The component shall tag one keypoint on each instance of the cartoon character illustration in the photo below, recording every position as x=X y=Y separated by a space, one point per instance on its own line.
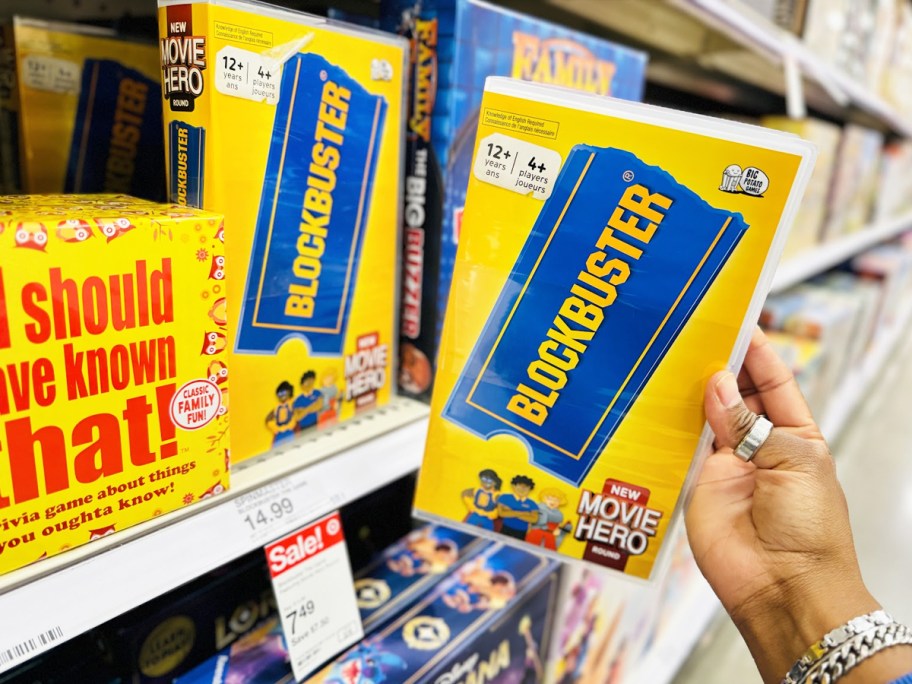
x=425 y=554
x=101 y=532
x=481 y=503
x=308 y=403
x=533 y=670
x=217 y=268
x=517 y=510
x=214 y=343
x=219 y=312
x=217 y=372
x=366 y=664
x=414 y=369
x=223 y=409
x=480 y=588
x=74 y=230
x=31 y=234
x=329 y=414
x=220 y=233
x=548 y=530
x=217 y=488
x=112 y=229
x=281 y=420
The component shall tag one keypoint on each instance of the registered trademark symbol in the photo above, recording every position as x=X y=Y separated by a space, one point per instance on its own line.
x=628 y=176
x=323 y=75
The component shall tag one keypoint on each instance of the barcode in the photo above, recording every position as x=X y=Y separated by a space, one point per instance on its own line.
x=38 y=643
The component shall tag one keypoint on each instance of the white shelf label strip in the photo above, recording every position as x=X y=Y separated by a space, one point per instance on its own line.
x=89 y=593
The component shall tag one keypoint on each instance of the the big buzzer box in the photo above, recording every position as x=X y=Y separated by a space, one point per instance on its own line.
x=292 y=126
x=113 y=382
x=456 y=45
x=609 y=264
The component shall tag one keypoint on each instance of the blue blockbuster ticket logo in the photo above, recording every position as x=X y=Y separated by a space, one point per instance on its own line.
x=187 y=154
x=117 y=138
x=313 y=210
x=618 y=259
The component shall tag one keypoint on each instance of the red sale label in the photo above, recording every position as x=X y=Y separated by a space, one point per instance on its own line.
x=305 y=543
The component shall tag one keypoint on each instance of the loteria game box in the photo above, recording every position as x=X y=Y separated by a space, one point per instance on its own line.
x=613 y=256
x=291 y=125
x=456 y=44
x=113 y=385
x=86 y=109
x=155 y=642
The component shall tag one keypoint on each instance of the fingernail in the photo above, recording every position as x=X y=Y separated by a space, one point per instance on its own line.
x=727 y=391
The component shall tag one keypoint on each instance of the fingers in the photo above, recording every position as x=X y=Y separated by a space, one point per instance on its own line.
x=731 y=419
x=772 y=381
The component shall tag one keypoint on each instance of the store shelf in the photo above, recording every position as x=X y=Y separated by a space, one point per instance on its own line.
x=730 y=43
x=61 y=597
x=686 y=625
x=818 y=259
x=753 y=32
x=855 y=386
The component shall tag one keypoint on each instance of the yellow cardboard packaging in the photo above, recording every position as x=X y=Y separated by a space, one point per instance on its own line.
x=613 y=257
x=89 y=117
x=113 y=384
x=293 y=127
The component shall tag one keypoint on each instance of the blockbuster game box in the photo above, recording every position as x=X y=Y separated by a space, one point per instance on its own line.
x=613 y=256
x=84 y=104
x=293 y=127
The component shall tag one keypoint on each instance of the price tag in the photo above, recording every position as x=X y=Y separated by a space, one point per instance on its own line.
x=517 y=165
x=315 y=593
x=273 y=509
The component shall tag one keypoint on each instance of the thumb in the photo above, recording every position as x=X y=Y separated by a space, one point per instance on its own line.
x=730 y=420
x=728 y=416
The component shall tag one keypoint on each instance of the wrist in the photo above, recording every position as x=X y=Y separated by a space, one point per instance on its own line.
x=780 y=624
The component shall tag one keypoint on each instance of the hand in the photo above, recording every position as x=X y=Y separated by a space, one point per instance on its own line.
x=772 y=536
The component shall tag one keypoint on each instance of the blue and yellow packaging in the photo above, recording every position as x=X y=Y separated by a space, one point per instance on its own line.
x=489 y=620
x=609 y=264
x=456 y=44
x=408 y=569
x=292 y=126
x=89 y=114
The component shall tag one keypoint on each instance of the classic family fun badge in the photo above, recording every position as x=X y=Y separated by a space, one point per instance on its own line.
x=619 y=257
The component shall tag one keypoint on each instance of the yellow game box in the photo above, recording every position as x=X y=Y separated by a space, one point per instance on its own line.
x=293 y=127
x=86 y=110
x=613 y=257
x=113 y=382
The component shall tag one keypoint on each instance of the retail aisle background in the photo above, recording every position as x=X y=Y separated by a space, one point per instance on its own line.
x=875 y=467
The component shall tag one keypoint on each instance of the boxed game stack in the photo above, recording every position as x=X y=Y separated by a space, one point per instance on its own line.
x=109 y=413
x=85 y=105
x=405 y=571
x=805 y=357
x=854 y=181
x=292 y=126
x=456 y=44
x=812 y=213
x=489 y=620
x=607 y=267
x=894 y=181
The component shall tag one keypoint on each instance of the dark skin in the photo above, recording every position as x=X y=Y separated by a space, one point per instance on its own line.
x=772 y=536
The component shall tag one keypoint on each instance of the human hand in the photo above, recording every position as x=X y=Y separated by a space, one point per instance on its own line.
x=772 y=536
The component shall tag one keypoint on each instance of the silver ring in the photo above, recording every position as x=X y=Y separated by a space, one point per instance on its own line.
x=754 y=439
